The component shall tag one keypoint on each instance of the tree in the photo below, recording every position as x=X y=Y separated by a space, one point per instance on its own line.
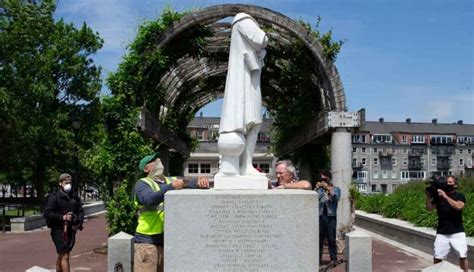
x=46 y=78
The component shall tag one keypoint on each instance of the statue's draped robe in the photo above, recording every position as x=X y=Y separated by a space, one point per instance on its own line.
x=242 y=105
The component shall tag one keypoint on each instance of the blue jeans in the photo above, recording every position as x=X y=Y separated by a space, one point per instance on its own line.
x=327 y=229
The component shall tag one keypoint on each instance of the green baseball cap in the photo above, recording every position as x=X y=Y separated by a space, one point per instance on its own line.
x=147 y=160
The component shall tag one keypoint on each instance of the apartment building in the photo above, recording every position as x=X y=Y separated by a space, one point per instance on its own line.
x=204 y=161
x=386 y=154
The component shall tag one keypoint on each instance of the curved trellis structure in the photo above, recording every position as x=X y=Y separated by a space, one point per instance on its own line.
x=195 y=80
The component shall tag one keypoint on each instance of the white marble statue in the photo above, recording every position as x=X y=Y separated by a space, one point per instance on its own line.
x=241 y=111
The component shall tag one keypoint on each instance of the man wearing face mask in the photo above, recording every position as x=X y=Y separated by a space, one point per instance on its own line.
x=449 y=204
x=149 y=196
x=64 y=215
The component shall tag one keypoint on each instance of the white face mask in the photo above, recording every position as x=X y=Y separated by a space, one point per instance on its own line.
x=157 y=171
x=67 y=188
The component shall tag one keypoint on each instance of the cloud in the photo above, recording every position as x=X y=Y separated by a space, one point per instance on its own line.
x=116 y=21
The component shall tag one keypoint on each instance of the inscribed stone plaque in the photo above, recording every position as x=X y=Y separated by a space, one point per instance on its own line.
x=241 y=230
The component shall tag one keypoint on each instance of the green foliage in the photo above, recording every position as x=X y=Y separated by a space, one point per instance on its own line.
x=408 y=203
x=290 y=66
x=46 y=78
x=330 y=47
x=122 y=215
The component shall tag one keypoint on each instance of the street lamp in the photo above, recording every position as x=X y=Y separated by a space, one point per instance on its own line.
x=76 y=125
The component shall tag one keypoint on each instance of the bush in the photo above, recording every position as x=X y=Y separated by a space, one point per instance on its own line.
x=408 y=203
x=121 y=212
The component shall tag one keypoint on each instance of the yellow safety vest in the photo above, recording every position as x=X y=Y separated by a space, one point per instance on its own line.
x=151 y=218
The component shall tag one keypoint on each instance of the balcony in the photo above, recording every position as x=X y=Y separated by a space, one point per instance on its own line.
x=386 y=153
x=415 y=165
x=357 y=166
x=442 y=163
x=415 y=153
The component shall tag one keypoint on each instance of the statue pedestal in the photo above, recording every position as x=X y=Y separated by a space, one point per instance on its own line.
x=224 y=182
x=241 y=230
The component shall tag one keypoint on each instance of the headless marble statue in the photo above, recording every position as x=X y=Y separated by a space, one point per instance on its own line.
x=241 y=117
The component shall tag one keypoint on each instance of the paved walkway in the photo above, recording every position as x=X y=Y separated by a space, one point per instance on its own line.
x=20 y=251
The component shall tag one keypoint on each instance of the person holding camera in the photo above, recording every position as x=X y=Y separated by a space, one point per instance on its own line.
x=328 y=197
x=64 y=215
x=449 y=203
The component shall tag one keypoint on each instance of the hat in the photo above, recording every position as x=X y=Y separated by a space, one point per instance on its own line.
x=64 y=176
x=147 y=160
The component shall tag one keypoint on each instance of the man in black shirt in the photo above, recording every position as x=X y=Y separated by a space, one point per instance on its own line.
x=449 y=204
x=64 y=215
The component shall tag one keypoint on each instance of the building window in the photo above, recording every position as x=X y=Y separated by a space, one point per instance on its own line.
x=409 y=175
x=394 y=186
x=374 y=187
x=214 y=135
x=265 y=167
x=354 y=149
x=362 y=187
x=376 y=174
x=364 y=161
x=376 y=161
x=404 y=139
x=404 y=151
x=422 y=162
x=469 y=151
x=364 y=149
x=354 y=162
x=469 y=163
x=375 y=150
x=460 y=151
x=464 y=140
x=205 y=168
x=359 y=139
x=433 y=162
x=193 y=168
x=461 y=162
x=394 y=161
x=441 y=139
x=394 y=174
x=384 y=174
x=418 y=139
x=382 y=138
x=405 y=161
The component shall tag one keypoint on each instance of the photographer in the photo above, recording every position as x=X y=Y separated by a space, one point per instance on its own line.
x=449 y=203
x=64 y=215
x=328 y=198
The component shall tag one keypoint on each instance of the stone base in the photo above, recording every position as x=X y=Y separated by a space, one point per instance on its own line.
x=241 y=230
x=223 y=182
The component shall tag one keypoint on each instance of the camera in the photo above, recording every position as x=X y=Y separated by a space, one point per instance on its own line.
x=436 y=182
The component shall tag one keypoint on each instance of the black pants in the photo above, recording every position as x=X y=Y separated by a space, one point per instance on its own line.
x=327 y=229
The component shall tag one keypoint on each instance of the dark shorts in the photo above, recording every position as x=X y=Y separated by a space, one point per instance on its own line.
x=63 y=244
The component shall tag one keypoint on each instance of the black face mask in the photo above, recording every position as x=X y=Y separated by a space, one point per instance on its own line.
x=449 y=188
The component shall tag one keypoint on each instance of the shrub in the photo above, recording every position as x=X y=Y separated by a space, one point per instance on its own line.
x=408 y=203
x=121 y=212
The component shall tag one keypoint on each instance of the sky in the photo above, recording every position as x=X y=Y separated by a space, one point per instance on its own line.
x=400 y=59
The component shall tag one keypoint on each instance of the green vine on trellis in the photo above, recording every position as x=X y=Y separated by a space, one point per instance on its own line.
x=288 y=68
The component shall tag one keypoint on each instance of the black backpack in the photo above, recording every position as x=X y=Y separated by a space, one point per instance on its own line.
x=49 y=222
